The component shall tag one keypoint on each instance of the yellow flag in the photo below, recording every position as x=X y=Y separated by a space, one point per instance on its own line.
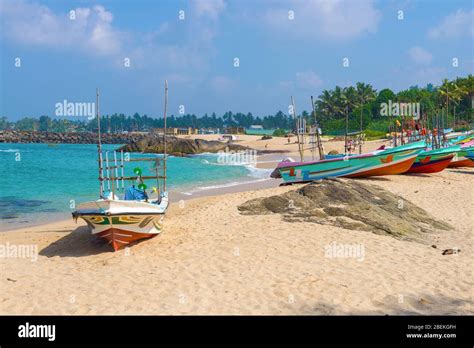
x=398 y=123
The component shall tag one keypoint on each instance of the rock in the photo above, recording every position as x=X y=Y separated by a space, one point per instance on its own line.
x=12 y=136
x=451 y=251
x=349 y=204
x=153 y=143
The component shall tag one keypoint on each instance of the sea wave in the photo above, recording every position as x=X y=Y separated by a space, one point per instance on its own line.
x=223 y=185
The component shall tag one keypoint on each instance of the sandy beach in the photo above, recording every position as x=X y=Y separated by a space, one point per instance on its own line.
x=211 y=259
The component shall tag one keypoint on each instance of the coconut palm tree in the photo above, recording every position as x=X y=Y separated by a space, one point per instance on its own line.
x=327 y=103
x=365 y=94
x=349 y=101
x=446 y=92
x=456 y=97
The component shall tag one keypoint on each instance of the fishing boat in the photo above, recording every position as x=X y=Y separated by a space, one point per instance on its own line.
x=391 y=161
x=386 y=161
x=434 y=161
x=136 y=215
x=461 y=160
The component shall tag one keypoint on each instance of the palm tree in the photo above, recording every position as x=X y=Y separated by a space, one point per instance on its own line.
x=326 y=103
x=446 y=92
x=365 y=94
x=456 y=96
x=349 y=101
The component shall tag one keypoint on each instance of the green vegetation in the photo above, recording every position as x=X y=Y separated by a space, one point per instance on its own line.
x=361 y=104
x=279 y=132
x=372 y=135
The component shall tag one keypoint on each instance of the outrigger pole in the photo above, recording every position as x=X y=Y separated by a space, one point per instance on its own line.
x=300 y=143
x=164 y=136
x=320 y=145
x=347 y=130
x=99 y=144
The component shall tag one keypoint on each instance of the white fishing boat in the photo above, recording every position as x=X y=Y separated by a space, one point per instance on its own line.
x=122 y=215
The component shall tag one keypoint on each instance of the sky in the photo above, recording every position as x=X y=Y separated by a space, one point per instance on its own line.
x=222 y=55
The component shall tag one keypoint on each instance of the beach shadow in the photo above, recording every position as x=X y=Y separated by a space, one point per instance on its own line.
x=420 y=175
x=462 y=171
x=78 y=243
x=424 y=304
x=372 y=178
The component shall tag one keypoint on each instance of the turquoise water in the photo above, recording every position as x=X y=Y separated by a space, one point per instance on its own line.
x=42 y=179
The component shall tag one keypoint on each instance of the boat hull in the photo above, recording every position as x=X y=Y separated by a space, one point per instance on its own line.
x=463 y=162
x=121 y=222
x=398 y=167
x=460 y=159
x=431 y=166
x=119 y=238
x=121 y=230
x=384 y=162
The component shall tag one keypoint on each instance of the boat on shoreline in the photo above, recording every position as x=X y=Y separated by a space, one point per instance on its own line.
x=433 y=161
x=135 y=216
x=121 y=222
x=461 y=160
x=384 y=161
x=391 y=161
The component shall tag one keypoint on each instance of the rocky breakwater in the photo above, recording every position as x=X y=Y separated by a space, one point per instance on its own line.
x=67 y=138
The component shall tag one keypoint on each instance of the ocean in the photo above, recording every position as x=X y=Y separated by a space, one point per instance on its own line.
x=41 y=182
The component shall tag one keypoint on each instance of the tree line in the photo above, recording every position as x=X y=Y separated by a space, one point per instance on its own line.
x=360 y=104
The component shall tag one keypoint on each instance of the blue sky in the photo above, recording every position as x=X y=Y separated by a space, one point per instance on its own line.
x=280 y=55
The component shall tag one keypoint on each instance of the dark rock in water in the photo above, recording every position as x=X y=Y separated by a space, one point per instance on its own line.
x=153 y=143
x=349 y=204
x=11 y=207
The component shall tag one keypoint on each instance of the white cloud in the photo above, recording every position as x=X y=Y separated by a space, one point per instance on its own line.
x=36 y=25
x=209 y=8
x=325 y=19
x=93 y=33
x=456 y=24
x=308 y=80
x=420 y=55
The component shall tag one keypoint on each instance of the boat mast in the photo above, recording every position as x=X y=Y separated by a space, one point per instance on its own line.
x=99 y=143
x=320 y=145
x=164 y=136
x=300 y=143
x=347 y=130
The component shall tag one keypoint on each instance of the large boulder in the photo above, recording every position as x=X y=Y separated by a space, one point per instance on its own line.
x=154 y=143
x=349 y=204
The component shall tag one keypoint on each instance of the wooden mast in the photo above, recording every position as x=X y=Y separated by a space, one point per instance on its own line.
x=99 y=143
x=320 y=145
x=164 y=136
x=360 y=135
x=347 y=130
x=300 y=143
